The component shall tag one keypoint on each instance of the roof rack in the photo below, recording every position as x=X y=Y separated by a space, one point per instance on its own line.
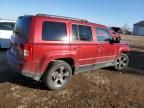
x=56 y=16
x=28 y=15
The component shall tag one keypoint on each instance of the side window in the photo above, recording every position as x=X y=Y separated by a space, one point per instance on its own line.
x=6 y=26
x=102 y=34
x=75 y=32
x=54 y=31
x=83 y=33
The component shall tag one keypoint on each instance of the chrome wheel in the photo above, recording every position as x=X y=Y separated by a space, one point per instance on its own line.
x=121 y=62
x=60 y=77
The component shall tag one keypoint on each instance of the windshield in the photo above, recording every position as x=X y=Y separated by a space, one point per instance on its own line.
x=22 y=27
x=9 y=26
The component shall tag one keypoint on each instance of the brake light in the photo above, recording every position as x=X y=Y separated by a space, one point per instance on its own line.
x=27 y=51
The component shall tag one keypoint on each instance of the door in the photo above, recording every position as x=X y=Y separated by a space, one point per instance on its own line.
x=106 y=51
x=82 y=45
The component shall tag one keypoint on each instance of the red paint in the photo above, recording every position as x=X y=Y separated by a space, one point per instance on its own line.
x=40 y=53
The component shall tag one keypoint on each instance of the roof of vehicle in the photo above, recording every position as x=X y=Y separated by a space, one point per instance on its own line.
x=61 y=17
x=69 y=18
x=4 y=20
x=66 y=18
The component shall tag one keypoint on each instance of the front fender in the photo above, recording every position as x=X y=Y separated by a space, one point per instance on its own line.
x=124 y=48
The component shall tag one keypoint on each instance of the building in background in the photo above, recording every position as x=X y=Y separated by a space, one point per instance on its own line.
x=139 y=28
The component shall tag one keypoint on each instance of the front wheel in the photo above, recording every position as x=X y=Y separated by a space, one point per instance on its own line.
x=121 y=62
x=58 y=76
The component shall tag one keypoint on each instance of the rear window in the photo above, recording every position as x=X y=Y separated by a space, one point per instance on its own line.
x=7 y=26
x=22 y=27
x=54 y=31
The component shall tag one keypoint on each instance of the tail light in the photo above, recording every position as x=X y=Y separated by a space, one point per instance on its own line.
x=27 y=51
x=23 y=52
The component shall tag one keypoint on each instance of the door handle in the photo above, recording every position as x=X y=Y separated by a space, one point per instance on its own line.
x=77 y=47
x=101 y=46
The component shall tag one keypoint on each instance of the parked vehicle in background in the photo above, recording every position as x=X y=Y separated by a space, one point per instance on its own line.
x=116 y=36
x=6 y=30
x=53 y=48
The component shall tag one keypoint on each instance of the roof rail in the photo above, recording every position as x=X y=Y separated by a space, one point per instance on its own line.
x=28 y=15
x=56 y=16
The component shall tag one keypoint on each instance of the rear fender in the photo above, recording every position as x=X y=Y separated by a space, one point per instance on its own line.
x=51 y=57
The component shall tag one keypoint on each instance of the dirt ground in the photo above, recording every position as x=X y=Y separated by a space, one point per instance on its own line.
x=102 y=88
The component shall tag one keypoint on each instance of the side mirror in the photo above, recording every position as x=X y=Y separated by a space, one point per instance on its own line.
x=117 y=40
x=113 y=40
x=109 y=40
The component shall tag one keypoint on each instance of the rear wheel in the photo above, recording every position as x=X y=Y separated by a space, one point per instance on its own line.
x=121 y=62
x=58 y=76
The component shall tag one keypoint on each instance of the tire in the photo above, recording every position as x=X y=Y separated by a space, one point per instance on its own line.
x=121 y=62
x=58 y=75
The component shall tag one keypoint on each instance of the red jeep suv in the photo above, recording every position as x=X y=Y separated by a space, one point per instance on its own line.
x=52 y=48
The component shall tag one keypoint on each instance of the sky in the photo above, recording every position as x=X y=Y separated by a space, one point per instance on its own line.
x=107 y=12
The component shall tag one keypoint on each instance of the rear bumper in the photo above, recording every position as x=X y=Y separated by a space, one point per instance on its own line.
x=4 y=43
x=17 y=65
x=32 y=75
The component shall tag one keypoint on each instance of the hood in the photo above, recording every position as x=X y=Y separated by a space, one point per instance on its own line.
x=124 y=43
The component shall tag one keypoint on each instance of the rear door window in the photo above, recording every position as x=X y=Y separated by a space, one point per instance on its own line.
x=7 y=26
x=81 y=32
x=75 y=32
x=54 y=31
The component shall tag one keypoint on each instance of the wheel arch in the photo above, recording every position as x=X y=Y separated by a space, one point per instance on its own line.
x=125 y=52
x=70 y=61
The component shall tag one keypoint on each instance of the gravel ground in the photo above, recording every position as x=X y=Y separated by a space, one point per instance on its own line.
x=102 y=88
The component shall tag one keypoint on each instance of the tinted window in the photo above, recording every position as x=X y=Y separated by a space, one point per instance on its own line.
x=85 y=33
x=22 y=27
x=81 y=32
x=7 y=26
x=75 y=32
x=102 y=34
x=54 y=31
